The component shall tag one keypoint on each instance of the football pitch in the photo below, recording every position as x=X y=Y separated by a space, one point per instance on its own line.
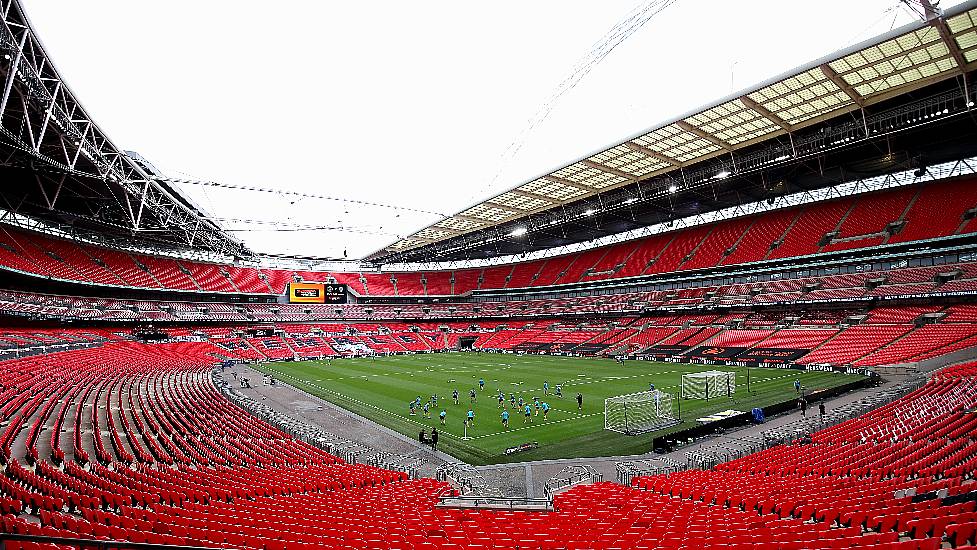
x=381 y=389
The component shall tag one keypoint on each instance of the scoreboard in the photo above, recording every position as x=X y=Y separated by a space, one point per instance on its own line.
x=317 y=293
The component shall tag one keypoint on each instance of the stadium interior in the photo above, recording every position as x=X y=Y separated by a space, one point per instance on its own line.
x=824 y=221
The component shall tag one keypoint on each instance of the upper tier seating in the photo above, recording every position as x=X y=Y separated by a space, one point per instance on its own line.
x=888 y=217
x=905 y=281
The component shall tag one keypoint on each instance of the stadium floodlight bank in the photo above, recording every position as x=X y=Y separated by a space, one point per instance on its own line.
x=709 y=384
x=638 y=413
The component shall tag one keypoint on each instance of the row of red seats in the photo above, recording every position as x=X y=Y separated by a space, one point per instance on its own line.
x=899 y=470
x=235 y=481
x=857 y=222
x=912 y=281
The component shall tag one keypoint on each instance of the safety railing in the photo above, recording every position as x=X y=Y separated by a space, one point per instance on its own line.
x=627 y=471
x=805 y=427
x=570 y=476
x=493 y=502
x=466 y=479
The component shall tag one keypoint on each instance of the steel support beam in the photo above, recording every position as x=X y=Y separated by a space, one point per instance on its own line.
x=652 y=154
x=765 y=113
x=705 y=135
x=609 y=170
x=568 y=183
x=12 y=74
x=448 y=230
x=493 y=204
x=47 y=117
x=531 y=195
x=843 y=85
x=950 y=42
x=473 y=219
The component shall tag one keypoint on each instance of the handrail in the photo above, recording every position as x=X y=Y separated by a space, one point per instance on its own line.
x=466 y=478
x=495 y=502
x=570 y=476
x=627 y=471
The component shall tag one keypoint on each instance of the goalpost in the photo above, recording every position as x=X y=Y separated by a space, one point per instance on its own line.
x=638 y=413
x=709 y=384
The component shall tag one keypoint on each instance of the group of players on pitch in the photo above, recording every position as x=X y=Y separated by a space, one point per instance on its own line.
x=528 y=408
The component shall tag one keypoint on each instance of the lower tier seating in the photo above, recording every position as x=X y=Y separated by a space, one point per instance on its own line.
x=133 y=442
x=901 y=476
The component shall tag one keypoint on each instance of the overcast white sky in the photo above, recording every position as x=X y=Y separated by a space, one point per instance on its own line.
x=405 y=103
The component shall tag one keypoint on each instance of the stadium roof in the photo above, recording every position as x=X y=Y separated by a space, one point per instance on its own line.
x=62 y=170
x=898 y=62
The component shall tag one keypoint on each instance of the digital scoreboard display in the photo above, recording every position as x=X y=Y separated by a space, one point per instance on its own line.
x=334 y=293
x=316 y=293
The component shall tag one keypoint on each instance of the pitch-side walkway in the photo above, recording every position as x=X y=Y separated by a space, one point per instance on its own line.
x=519 y=479
x=336 y=420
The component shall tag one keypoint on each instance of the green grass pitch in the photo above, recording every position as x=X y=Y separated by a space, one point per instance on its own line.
x=381 y=388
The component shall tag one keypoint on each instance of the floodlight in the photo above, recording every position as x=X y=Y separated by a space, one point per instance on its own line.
x=672 y=188
x=518 y=232
x=589 y=212
x=723 y=175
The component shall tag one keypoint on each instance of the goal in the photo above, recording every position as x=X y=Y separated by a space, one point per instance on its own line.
x=638 y=413
x=708 y=385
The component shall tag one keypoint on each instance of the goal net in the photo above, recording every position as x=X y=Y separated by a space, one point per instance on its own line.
x=708 y=385
x=638 y=413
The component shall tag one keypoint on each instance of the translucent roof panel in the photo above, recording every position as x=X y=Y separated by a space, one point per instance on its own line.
x=802 y=97
x=549 y=188
x=964 y=29
x=521 y=202
x=487 y=212
x=676 y=143
x=434 y=233
x=625 y=159
x=913 y=56
x=588 y=176
x=733 y=122
x=407 y=244
x=459 y=224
